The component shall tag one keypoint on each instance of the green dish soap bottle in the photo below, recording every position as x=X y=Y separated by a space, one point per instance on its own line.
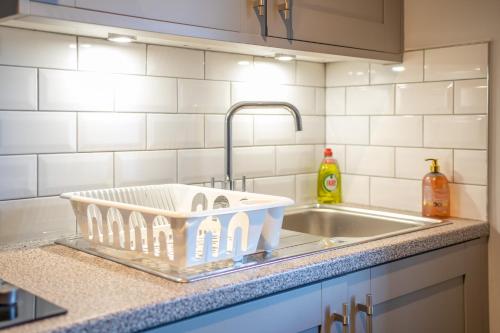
x=329 y=181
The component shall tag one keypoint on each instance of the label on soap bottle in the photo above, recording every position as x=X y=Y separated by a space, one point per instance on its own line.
x=330 y=183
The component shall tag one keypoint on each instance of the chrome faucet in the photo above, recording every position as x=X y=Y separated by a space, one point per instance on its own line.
x=228 y=141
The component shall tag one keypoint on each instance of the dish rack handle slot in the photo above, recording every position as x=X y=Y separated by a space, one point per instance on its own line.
x=236 y=250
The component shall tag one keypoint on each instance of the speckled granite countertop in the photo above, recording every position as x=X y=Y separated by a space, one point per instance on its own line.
x=102 y=296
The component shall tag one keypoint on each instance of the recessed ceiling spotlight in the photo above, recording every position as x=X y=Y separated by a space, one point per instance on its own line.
x=398 y=68
x=118 y=38
x=284 y=57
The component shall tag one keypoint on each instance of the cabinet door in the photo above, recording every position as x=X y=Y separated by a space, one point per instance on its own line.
x=364 y=24
x=425 y=293
x=289 y=312
x=350 y=289
x=231 y=15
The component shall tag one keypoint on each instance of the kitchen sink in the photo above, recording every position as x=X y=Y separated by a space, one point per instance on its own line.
x=348 y=224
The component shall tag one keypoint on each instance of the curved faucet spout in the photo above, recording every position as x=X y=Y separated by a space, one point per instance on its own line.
x=228 y=141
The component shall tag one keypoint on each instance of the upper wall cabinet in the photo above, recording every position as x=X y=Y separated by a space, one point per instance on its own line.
x=363 y=24
x=317 y=29
x=230 y=15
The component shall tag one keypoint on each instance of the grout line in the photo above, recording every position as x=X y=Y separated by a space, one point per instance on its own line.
x=37 y=175
x=77 y=126
x=114 y=169
x=245 y=146
x=204 y=64
x=38 y=89
x=146 y=62
x=423 y=66
x=77 y=53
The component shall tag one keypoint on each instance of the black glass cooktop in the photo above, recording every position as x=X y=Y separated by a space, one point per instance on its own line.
x=27 y=308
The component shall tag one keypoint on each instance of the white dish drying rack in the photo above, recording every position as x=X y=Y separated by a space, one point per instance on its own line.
x=183 y=225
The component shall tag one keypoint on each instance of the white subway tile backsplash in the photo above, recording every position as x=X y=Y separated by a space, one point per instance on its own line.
x=310 y=74
x=400 y=194
x=273 y=71
x=410 y=70
x=57 y=172
x=319 y=152
x=469 y=201
x=228 y=66
x=424 y=98
x=356 y=189
x=367 y=100
x=370 y=160
x=471 y=166
x=313 y=130
x=347 y=74
x=242 y=130
x=375 y=112
x=172 y=131
x=198 y=165
x=282 y=186
x=75 y=91
x=37 y=49
x=410 y=162
x=254 y=161
x=396 y=130
x=304 y=98
x=468 y=132
x=104 y=56
x=471 y=96
x=320 y=101
x=18 y=88
x=35 y=219
x=455 y=63
x=111 y=131
x=37 y=132
x=18 y=176
x=335 y=101
x=134 y=168
x=347 y=130
x=295 y=159
x=145 y=94
x=306 y=189
x=175 y=62
x=202 y=96
x=273 y=130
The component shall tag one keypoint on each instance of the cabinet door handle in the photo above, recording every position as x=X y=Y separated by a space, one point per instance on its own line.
x=342 y=318
x=260 y=7
x=368 y=309
x=285 y=10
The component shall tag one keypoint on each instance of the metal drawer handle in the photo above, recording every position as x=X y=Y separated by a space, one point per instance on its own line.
x=284 y=9
x=368 y=309
x=342 y=318
x=260 y=7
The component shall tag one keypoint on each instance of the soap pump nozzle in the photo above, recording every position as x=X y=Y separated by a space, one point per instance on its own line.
x=434 y=167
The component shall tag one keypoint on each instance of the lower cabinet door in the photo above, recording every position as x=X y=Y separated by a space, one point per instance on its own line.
x=424 y=293
x=435 y=309
x=294 y=311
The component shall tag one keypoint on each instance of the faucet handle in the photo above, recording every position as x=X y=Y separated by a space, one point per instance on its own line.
x=212 y=182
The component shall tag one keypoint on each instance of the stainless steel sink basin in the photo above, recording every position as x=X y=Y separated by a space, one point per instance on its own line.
x=347 y=224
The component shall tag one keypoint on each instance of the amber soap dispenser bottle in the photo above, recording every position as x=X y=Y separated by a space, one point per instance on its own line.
x=435 y=192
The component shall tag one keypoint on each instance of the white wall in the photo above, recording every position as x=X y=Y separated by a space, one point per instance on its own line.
x=79 y=113
x=383 y=121
x=443 y=22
